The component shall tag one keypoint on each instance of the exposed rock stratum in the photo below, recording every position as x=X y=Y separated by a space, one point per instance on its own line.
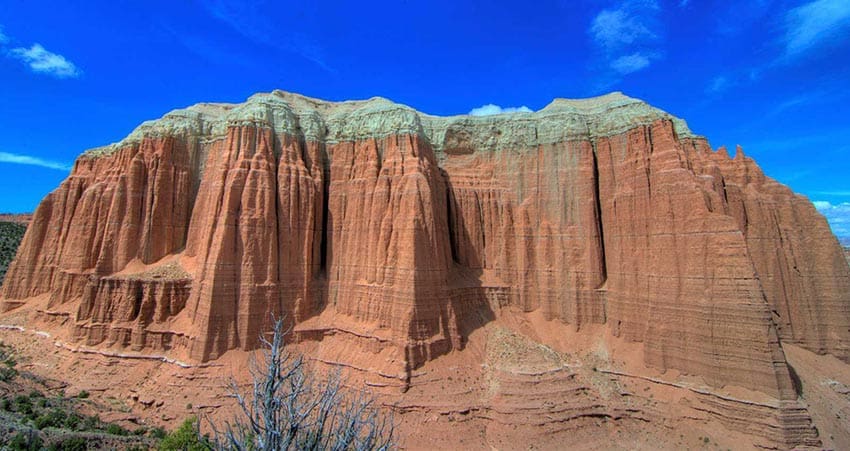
x=397 y=235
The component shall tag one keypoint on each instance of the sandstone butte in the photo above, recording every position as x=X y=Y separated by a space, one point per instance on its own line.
x=395 y=235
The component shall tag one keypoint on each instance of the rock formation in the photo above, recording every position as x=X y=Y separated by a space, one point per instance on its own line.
x=400 y=233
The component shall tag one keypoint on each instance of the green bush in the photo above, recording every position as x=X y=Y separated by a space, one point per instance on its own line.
x=23 y=405
x=25 y=441
x=54 y=418
x=90 y=423
x=185 y=438
x=7 y=364
x=158 y=433
x=114 y=429
x=73 y=421
x=70 y=444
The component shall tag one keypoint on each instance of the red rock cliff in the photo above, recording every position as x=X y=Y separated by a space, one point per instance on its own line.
x=404 y=232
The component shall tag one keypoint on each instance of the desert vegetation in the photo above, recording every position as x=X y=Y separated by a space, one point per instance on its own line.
x=10 y=237
x=34 y=416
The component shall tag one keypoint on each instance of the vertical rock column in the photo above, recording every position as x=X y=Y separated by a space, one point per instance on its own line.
x=234 y=241
x=300 y=216
x=388 y=242
x=254 y=237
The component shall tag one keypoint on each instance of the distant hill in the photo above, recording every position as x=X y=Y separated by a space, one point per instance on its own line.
x=846 y=245
x=11 y=234
x=845 y=242
x=17 y=218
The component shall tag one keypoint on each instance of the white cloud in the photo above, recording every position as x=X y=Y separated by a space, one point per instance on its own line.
x=822 y=205
x=626 y=35
x=630 y=63
x=719 y=84
x=837 y=215
x=615 y=29
x=3 y=38
x=6 y=157
x=490 y=109
x=43 y=61
x=811 y=23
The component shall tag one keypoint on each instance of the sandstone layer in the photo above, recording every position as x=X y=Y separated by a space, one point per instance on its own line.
x=396 y=235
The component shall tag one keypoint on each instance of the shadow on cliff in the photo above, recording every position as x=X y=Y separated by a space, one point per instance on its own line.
x=470 y=300
x=450 y=300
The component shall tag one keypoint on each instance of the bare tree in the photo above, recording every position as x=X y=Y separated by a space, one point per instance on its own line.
x=289 y=408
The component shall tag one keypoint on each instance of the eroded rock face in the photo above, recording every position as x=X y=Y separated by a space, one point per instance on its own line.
x=405 y=232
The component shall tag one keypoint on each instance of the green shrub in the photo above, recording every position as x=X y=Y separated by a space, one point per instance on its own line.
x=70 y=444
x=90 y=423
x=83 y=394
x=158 y=433
x=7 y=364
x=23 y=405
x=115 y=429
x=54 y=418
x=185 y=438
x=73 y=421
x=25 y=441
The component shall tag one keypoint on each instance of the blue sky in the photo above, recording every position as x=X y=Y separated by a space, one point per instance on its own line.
x=773 y=76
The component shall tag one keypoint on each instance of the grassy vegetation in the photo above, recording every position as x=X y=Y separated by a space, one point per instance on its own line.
x=37 y=421
x=10 y=237
x=31 y=418
x=7 y=364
